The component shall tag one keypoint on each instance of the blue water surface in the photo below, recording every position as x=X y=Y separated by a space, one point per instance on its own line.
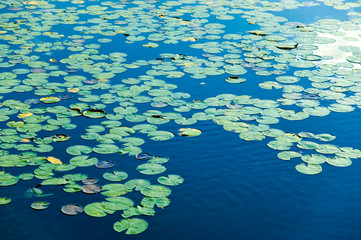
x=233 y=189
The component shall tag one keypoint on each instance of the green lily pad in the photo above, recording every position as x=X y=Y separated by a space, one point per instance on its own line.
x=339 y=161
x=189 y=132
x=309 y=169
x=171 y=180
x=155 y=191
x=97 y=209
x=94 y=113
x=122 y=203
x=78 y=150
x=105 y=149
x=132 y=226
x=160 y=135
x=114 y=189
x=4 y=200
x=40 y=205
x=83 y=161
x=314 y=158
x=137 y=184
x=287 y=155
x=115 y=176
x=151 y=168
x=54 y=181
x=161 y=202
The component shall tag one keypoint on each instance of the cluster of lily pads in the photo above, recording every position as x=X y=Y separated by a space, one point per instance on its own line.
x=56 y=68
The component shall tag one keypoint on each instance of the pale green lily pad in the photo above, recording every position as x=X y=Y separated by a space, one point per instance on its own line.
x=137 y=184
x=132 y=226
x=327 y=149
x=155 y=191
x=309 y=169
x=115 y=176
x=251 y=136
x=279 y=145
x=189 y=132
x=78 y=150
x=171 y=180
x=83 y=161
x=314 y=158
x=160 y=135
x=339 y=161
x=151 y=168
x=324 y=137
x=94 y=113
x=40 y=205
x=106 y=149
x=287 y=155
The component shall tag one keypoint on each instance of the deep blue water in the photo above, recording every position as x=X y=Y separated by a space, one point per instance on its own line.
x=233 y=189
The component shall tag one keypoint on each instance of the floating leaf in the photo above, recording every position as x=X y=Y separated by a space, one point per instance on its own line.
x=161 y=202
x=54 y=160
x=115 y=176
x=4 y=200
x=287 y=155
x=106 y=149
x=50 y=99
x=339 y=161
x=122 y=203
x=72 y=209
x=114 y=189
x=189 y=132
x=104 y=164
x=155 y=191
x=78 y=150
x=151 y=168
x=83 y=161
x=132 y=226
x=144 y=156
x=41 y=205
x=138 y=184
x=91 y=188
x=171 y=180
x=54 y=181
x=160 y=135
x=94 y=113
x=309 y=169
x=97 y=209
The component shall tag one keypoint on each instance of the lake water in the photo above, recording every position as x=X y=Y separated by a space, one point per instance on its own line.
x=256 y=82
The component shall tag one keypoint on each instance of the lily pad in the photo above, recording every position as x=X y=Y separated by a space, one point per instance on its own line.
x=161 y=202
x=189 y=132
x=104 y=164
x=91 y=188
x=4 y=200
x=72 y=209
x=309 y=169
x=144 y=156
x=115 y=176
x=132 y=226
x=155 y=191
x=151 y=168
x=40 y=205
x=171 y=180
